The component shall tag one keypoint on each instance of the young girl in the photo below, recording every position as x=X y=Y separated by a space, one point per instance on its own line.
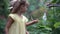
x=17 y=22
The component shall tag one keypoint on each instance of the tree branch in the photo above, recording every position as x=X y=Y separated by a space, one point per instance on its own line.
x=53 y=5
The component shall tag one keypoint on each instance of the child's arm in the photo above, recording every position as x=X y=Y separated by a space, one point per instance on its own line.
x=9 y=22
x=31 y=22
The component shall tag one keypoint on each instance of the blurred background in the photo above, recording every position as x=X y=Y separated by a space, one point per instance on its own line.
x=47 y=11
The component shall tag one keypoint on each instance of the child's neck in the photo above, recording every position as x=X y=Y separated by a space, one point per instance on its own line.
x=19 y=13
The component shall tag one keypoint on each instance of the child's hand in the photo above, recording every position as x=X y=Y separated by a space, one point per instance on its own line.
x=35 y=21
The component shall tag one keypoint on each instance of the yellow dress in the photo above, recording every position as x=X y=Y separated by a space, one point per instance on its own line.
x=18 y=27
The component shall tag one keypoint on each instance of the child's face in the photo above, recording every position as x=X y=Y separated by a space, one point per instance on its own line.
x=23 y=8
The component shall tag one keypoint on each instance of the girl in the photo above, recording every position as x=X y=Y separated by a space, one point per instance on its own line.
x=17 y=22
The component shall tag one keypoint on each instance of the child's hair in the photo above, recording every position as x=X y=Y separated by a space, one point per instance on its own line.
x=17 y=5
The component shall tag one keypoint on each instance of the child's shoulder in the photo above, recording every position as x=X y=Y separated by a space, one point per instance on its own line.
x=12 y=16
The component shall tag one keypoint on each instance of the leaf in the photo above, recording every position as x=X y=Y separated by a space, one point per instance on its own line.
x=54 y=1
x=57 y=24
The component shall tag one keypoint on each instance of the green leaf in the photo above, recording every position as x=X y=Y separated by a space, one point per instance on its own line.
x=57 y=24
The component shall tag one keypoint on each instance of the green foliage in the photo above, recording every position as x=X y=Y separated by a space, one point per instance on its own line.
x=51 y=23
x=4 y=4
x=56 y=1
x=2 y=25
x=56 y=25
